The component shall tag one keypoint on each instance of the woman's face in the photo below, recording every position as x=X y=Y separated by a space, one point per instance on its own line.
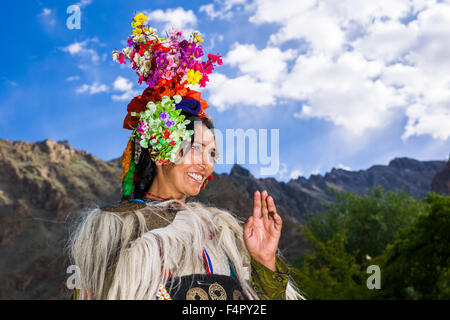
x=187 y=175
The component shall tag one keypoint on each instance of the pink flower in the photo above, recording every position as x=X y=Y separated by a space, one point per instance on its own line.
x=142 y=129
x=208 y=66
x=214 y=58
x=175 y=33
x=171 y=62
x=203 y=80
x=168 y=74
x=120 y=58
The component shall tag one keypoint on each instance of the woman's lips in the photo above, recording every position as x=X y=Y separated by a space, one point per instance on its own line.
x=194 y=179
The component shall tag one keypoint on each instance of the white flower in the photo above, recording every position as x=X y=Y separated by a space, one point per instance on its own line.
x=165 y=100
x=177 y=98
x=151 y=107
x=126 y=51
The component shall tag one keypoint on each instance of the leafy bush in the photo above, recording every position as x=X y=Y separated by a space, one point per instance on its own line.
x=408 y=238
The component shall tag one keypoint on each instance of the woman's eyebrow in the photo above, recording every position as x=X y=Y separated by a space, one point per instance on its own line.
x=200 y=143
x=203 y=144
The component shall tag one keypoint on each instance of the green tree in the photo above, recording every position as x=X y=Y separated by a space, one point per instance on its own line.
x=373 y=220
x=417 y=264
x=347 y=237
x=329 y=271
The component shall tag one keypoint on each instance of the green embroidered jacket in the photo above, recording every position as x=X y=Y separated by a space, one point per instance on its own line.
x=268 y=284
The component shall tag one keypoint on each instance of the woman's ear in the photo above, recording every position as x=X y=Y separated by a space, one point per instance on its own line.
x=182 y=151
x=153 y=157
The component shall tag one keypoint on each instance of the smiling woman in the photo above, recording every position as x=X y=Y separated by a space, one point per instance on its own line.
x=153 y=244
x=189 y=172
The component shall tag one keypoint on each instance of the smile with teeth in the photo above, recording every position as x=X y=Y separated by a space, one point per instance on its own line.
x=196 y=177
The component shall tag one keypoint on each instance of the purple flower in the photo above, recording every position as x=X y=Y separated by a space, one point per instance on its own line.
x=190 y=63
x=153 y=78
x=130 y=42
x=169 y=123
x=183 y=44
x=183 y=63
x=188 y=49
x=161 y=59
x=198 y=52
x=163 y=115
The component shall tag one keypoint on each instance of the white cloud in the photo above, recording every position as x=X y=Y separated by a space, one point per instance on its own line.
x=73 y=78
x=283 y=170
x=225 y=8
x=241 y=90
x=253 y=62
x=296 y=173
x=174 y=18
x=342 y=91
x=316 y=171
x=210 y=45
x=127 y=87
x=83 y=3
x=93 y=88
x=257 y=85
x=47 y=17
x=364 y=62
x=80 y=49
x=344 y=167
x=122 y=84
x=46 y=12
x=386 y=41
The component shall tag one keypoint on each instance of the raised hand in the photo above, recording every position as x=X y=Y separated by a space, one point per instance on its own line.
x=262 y=230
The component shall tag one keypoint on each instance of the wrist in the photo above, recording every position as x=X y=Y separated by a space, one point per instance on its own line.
x=269 y=263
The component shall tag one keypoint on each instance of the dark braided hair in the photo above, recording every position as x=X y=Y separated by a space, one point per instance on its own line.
x=146 y=168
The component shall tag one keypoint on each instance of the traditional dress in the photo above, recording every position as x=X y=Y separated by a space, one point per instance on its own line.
x=171 y=250
x=140 y=249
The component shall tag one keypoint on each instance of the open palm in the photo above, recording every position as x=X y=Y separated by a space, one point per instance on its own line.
x=263 y=229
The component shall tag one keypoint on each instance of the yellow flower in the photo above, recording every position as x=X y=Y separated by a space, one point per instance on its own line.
x=194 y=76
x=161 y=39
x=197 y=38
x=137 y=31
x=140 y=19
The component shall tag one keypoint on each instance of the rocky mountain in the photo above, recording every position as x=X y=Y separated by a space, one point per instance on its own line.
x=45 y=186
x=441 y=181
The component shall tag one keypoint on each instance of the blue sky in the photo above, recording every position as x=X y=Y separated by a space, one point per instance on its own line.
x=347 y=84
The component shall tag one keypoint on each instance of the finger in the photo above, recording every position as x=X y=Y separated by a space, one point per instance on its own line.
x=274 y=214
x=278 y=222
x=271 y=206
x=264 y=210
x=257 y=204
x=248 y=228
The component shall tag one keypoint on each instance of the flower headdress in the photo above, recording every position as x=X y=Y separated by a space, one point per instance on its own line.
x=167 y=66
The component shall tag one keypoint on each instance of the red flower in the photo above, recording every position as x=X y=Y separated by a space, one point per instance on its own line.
x=121 y=56
x=167 y=134
x=214 y=58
